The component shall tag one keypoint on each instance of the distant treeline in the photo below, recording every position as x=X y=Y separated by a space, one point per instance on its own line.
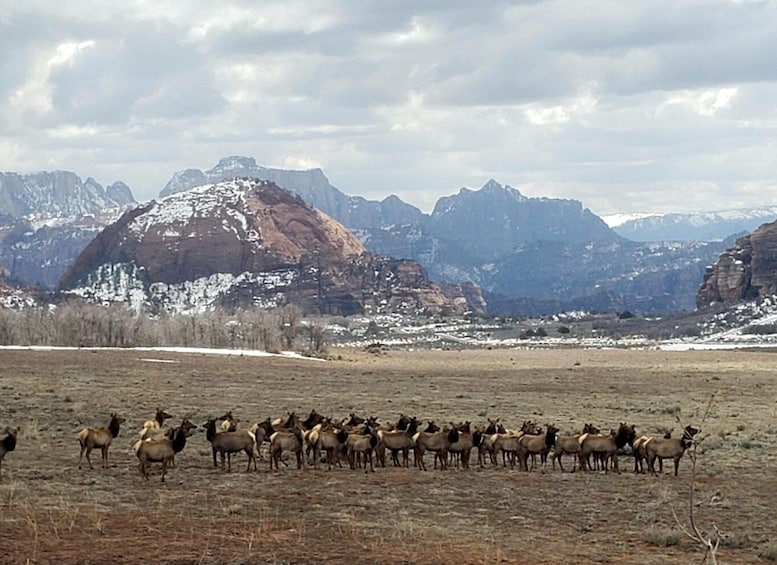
x=89 y=325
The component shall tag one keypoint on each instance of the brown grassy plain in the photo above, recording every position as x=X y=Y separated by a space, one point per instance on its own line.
x=52 y=512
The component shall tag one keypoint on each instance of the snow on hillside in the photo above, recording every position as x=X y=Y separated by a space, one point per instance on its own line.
x=615 y=220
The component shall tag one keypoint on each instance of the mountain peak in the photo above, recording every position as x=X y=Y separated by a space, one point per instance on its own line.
x=244 y=242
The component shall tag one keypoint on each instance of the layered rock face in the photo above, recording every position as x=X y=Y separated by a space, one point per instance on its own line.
x=240 y=243
x=743 y=272
x=48 y=218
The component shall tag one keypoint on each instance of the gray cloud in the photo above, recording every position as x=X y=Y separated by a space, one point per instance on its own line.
x=660 y=106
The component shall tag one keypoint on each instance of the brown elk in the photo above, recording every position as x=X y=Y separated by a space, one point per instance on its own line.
x=606 y=446
x=8 y=444
x=638 y=450
x=89 y=438
x=359 y=448
x=462 y=448
x=486 y=445
x=286 y=440
x=226 y=443
x=570 y=445
x=331 y=440
x=155 y=424
x=669 y=448
x=163 y=450
x=396 y=441
x=537 y=445
x=509 y=444
x=229 y=423
x=439 y=442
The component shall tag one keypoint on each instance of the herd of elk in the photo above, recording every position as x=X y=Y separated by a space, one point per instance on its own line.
x=359 y=439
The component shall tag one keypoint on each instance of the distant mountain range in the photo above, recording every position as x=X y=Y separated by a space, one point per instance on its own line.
x=246 y=243
x=697 y=226
x=529 y=255
x=47 y=218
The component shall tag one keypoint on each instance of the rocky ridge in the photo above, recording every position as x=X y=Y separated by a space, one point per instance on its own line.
x=745 y=271
x=48 y=218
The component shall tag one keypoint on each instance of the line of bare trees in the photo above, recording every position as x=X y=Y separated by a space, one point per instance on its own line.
x=90 y=325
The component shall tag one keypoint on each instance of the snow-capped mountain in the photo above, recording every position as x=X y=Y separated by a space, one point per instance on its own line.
x=245 y=242
x=696 y=226
x=47 y=218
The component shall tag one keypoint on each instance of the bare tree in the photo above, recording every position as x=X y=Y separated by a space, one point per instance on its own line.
x=709 y=540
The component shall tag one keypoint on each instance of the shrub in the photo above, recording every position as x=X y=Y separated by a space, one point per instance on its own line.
x=662 y=537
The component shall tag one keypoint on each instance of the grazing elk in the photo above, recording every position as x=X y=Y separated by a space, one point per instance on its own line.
x=89 y=438
x=163 y=450
x=671 y=448
x=8 y=444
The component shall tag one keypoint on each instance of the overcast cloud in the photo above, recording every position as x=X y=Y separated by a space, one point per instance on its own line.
x=627 y=106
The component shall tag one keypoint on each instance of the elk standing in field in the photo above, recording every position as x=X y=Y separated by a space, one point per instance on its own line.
x=537 y=445
x=228 y=442
x=606 y=446
x=163 y=450
x=89 y=438
x=8 y=444
x=397 y=440
x=672 y=448
x=570 y=445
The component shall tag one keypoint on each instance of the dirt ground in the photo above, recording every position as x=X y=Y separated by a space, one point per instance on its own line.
x=52 y=512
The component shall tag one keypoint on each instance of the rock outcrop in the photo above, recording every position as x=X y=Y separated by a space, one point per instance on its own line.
x=745 y=271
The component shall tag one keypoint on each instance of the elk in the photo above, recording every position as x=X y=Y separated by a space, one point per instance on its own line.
x=606 y=446
x=537 y=445
x=570 y=445
x=89 y=438
x=439 y=442
x=361 y=446
x=669 y=448
x=163 y=450
x=8 y=444
x=487 y=443
x=226 y=443
x=638 y=450
x=331 y=440
x=155 y=424
x=286 y=440
x=467 y=440
x=396 y=441
x=229 y=423
x=509 y=443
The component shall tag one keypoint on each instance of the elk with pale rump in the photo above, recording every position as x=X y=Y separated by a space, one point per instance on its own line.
x=89 y=438
x=671 y=448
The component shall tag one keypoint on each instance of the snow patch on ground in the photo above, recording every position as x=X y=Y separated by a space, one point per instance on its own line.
x=180 y=350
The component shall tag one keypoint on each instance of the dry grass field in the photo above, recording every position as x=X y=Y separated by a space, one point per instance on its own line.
x=52 y=512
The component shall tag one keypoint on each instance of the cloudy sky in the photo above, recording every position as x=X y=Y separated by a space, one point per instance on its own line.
x=628 y=106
